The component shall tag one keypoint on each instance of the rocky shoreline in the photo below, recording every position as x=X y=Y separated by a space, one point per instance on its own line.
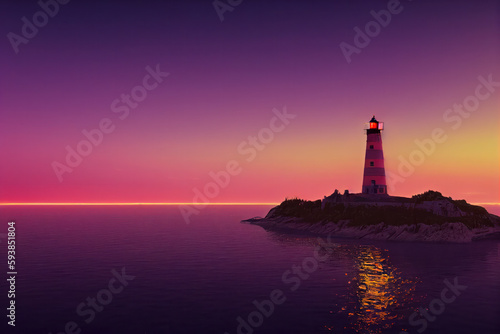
x=420 y=218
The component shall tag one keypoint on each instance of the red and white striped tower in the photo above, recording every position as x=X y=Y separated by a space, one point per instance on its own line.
x=374 y=174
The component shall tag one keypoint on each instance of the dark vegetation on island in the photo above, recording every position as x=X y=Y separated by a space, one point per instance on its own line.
x=360 y=210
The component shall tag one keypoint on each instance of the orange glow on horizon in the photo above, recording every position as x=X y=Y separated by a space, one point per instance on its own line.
x=170 y=204
x=27 y=204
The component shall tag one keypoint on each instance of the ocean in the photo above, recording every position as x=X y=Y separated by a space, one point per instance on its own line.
x=143 y=270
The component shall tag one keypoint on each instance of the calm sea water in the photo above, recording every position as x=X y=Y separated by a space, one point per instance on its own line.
x=217 y=275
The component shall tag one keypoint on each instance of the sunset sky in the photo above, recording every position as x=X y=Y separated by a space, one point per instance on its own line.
x=226 y=78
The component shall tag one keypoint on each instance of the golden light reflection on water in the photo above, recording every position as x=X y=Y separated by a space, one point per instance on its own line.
x=378 y=295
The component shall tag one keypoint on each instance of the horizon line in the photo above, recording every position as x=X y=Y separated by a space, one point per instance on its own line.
x=132 y=203
x=159 y=203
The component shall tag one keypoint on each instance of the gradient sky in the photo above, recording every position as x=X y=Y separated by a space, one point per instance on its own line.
x=225 y=80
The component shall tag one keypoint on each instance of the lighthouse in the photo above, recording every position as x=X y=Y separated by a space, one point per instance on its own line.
x=374 y=173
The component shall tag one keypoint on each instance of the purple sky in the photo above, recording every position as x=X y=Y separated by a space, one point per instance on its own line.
x=225 y=79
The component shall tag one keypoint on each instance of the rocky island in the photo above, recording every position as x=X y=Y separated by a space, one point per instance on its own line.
x=425 y=217
x=374 y=214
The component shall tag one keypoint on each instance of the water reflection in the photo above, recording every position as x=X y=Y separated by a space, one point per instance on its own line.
x=378 y=294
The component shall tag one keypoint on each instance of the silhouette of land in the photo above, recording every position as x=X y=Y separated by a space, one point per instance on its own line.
x=425 y=217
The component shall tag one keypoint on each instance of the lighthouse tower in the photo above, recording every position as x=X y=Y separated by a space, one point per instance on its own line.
x=374 y=174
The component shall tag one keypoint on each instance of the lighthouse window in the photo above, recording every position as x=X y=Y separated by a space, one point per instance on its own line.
x=373 y=182
x=371 y=147
x=372 y=163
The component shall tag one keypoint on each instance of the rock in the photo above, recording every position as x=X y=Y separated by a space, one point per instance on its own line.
x=428 y=217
